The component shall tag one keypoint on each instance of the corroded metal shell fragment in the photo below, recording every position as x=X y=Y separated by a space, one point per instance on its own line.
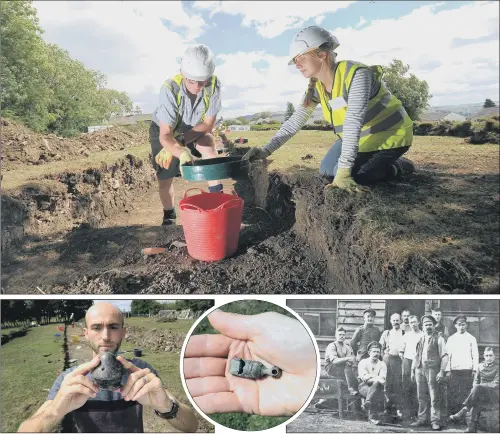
x=108 y=374
x=252 y=369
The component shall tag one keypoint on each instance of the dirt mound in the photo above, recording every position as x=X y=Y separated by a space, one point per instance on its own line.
x=68 y=200
x=435 y=232
x=155 y=340
x=21 y=146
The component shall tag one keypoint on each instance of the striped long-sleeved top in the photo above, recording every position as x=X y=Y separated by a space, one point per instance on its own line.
x=361 y=90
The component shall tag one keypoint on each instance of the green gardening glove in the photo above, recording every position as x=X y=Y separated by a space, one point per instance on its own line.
x=344 y=181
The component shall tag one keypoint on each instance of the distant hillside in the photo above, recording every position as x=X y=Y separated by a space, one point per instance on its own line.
x=462 y=109
x=467 y=110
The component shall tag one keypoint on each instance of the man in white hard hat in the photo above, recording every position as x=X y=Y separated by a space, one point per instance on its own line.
x=183 y=121
x=372 y=127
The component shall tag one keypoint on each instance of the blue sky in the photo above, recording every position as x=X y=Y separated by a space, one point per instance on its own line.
x=453 y=45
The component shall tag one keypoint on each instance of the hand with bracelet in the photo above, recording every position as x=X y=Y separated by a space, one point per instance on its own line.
x=147 y=389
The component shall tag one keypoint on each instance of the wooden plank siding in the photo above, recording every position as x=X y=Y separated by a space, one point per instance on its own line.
x=350 y=314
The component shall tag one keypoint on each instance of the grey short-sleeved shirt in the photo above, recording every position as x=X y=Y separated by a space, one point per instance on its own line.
x=189 y=112
x=108 y=411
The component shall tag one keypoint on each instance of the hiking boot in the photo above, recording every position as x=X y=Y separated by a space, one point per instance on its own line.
x=457 y=417
x=169 y=217
x=435 y=426
x=401 y=167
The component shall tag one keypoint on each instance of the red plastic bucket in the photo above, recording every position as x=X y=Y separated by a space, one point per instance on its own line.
x=211 y=224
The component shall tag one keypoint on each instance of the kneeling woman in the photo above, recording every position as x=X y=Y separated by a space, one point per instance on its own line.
x=372 y=127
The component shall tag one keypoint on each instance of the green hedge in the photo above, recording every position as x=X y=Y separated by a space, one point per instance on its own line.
x=265 y=127
x=477 y=132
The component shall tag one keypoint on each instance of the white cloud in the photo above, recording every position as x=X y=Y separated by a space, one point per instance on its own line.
x=257 y=89
x=319 y=19
x=127 y=41
x=130 y=44
x=462 y=57
x=361 y=23
x=273 y=18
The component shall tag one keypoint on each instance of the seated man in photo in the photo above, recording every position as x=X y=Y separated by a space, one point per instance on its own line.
x=484 y=391
x=340 y=360
x=372 y=373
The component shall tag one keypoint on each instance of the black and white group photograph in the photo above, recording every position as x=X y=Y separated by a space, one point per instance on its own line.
x=403 y=365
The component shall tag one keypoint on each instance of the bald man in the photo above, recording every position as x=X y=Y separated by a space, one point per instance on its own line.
x=96 y=410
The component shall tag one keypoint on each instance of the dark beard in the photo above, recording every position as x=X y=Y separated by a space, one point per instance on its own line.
x=95 y=348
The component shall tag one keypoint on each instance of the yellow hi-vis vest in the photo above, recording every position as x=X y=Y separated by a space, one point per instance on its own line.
x=386 y=124
x=175 y=83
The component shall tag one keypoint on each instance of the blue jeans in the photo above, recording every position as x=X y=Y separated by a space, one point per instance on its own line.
x=369 y=167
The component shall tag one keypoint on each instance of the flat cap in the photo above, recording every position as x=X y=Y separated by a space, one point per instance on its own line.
x=429 y=317
x=460 y=316
x=373 y=344
x=370 y=310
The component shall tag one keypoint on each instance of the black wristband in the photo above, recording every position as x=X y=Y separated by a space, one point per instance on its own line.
x=180 y=139
x=172 y=414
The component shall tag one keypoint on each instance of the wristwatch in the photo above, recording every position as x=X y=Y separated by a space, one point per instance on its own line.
x=172 y=413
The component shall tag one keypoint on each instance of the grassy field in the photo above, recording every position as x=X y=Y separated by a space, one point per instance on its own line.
x=30 y=364
x=179 y=326
x=312 y=143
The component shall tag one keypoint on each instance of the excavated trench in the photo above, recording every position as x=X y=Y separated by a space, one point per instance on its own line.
x=295 y=239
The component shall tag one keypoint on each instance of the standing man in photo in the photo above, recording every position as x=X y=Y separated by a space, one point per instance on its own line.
x=408 y=353
x=392 y=342
x=428 y=370
x=405 y=320
x=364 y=335
x=462 y=365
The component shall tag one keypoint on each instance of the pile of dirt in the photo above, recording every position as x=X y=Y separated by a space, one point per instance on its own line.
x=21 y=146
x=68 y=200
x=155 y=340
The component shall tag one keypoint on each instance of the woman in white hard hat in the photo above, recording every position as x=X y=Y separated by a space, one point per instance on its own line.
x=372 y=127
x=182 y=122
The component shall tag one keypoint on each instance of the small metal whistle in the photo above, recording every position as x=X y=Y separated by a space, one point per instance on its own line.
x=252 y=369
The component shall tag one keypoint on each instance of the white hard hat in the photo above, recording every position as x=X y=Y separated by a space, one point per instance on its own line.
x=309 y=38
x=197 y=63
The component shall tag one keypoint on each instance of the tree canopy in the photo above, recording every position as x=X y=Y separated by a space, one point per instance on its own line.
x=411 y=91
x=42 y=86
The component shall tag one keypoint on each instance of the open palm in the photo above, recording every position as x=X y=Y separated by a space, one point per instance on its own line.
x=270 y=338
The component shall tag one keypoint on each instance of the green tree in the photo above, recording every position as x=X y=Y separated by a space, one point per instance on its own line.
x=290 y=110
x=42 y=86
x=145 y=307
x=411 y=91
x=23 y=61
x=488 y=103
